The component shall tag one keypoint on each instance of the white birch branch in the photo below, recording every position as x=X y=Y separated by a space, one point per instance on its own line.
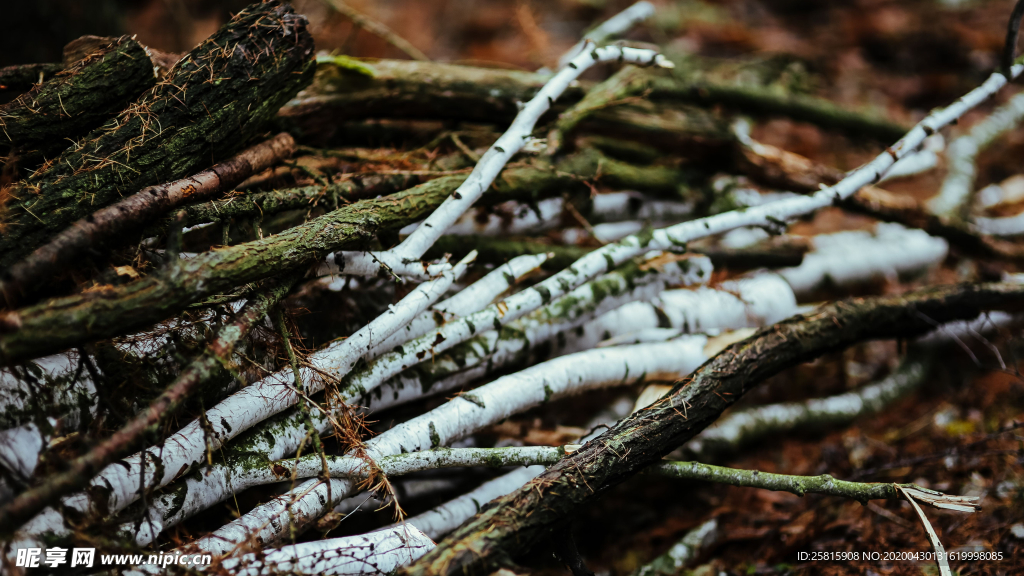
x=743 y=426
x=379 y=552
x=54 y=396
x=1009 y=191
x=394 y=546
x=494 y=160
x=1005 y=226
x=608 y=232
x=242 y=460
x=545 y=215
x=63 y=387
x=614 y=26
x=121 y=482
x=682 y=552
x=845 y=259
x=468 y=300
x=759 y=300
x=439 y=521
x=20 y=448
x=56 y=382
x=771 y=215
x=461 y=416
x=372 y=264
x=514 y=218
x=920 y=162
x=962 y=157
x=536 y=385
x=358 y=468
x=503 y=313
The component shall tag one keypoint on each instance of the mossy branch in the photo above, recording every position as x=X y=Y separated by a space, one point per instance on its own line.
x=98 y=228
x=50 y=116
x=109 y=311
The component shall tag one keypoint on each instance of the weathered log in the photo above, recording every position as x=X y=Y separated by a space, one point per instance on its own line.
x=676 y=86
x=215 y=99
x=22 y=77
x=85 y=45
x=409 y=89
x=520 y=520
x=96 y=229
x=426 y=90
x=83 y=96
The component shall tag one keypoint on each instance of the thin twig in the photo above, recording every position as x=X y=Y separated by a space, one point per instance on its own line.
x=377 y=28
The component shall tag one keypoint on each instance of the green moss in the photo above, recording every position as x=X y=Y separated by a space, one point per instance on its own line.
x=646 y=235
x=178 y=496
x=435 y=438
x=78 y=99
x=548 y=393
x=349 y=64
x=469 y=396
x=545 y=294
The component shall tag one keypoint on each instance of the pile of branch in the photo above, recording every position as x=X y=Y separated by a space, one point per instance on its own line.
x=157 y=238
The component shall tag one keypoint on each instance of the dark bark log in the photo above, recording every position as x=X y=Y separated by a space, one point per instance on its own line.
x=79 y=471
x=760 y=101
x=409 y=89
x=83 y=96
x=109 y=311
x=517 y=522
x=426 y=90
x=95 y=230
x=23 y=77
x=774 y=253
x=81 y=47
x=215 y=99
x=432 y=91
